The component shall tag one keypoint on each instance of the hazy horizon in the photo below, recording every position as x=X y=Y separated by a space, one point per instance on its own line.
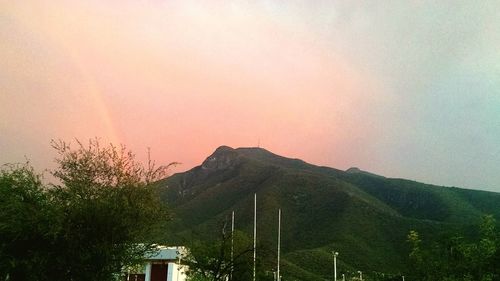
x=406 y=89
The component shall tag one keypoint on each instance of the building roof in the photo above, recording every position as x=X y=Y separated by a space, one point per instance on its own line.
x=167 y=253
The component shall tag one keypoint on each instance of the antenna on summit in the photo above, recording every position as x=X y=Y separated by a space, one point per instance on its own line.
x=258 y=143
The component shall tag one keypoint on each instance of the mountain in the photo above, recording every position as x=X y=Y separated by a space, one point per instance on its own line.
x=363 y=216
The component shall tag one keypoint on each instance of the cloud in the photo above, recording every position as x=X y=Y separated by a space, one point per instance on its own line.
x=398 y=88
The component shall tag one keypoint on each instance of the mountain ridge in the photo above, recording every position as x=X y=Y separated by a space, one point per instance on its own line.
x=324 y=208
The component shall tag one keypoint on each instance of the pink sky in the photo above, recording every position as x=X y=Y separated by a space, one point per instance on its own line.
x=312 y=81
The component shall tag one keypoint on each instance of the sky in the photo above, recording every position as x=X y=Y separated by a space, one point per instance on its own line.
x=407 y=89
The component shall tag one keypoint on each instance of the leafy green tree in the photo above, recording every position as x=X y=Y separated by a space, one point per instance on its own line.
x=111 y=214
x=101 y=216
x=29 y=225
x=414 y=240
x=455 y=259
x=211 y=260
x=479 y=254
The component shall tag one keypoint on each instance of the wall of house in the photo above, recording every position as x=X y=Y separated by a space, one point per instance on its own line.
x=173 y=272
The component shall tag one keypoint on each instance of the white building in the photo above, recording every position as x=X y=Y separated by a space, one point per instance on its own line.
x=164 y=265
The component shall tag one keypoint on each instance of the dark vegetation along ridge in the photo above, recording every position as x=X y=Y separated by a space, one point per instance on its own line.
x=363 y=216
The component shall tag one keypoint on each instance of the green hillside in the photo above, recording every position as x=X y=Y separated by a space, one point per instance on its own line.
x=363 y=216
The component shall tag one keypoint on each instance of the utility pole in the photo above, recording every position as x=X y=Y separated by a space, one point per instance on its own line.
x=254 y=232
x=232 y=246
x=279 y=242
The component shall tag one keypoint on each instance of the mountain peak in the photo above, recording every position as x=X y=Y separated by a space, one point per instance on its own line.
x=222 y=158
x=223 y=148
x=356 y=170
x=226 y=157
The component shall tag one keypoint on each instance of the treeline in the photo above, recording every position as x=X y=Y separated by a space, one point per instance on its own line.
x=456 y=258
x=101 y=216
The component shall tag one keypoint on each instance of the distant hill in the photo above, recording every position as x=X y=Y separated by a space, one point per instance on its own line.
x=363 y=216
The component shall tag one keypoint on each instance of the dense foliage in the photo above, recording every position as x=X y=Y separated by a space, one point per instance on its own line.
x=213 y=261
x=30 y=226
x=456 y=259
x=100 y=217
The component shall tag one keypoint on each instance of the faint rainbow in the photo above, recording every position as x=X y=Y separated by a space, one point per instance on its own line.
x=86 y=76
x=95 y=94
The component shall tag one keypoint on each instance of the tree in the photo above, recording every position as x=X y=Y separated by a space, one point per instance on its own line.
x=111 y=215
x=101 y=216
x=479 y=254
x=29 y=224
x=456 y=259
x=211 y=260
x=414 y=241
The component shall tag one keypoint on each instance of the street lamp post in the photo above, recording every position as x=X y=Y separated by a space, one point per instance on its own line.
x=335 y=254
x=343 y=277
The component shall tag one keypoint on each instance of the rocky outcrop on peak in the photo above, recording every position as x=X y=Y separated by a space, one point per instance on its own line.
x=223 y=158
